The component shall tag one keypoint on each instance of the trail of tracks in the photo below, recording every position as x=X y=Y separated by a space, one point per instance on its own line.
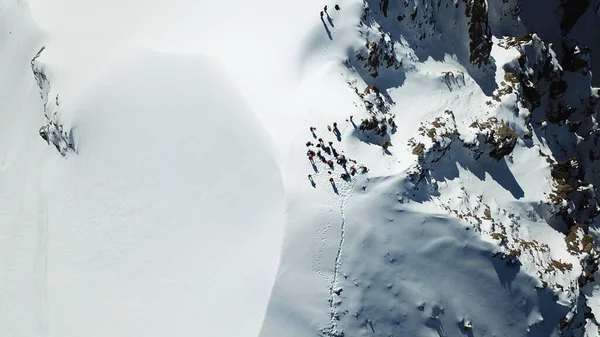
x=333 y=30
x=341 y=195
x=334 y=287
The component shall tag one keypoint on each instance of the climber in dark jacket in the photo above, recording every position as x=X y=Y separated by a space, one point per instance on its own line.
x=352 y=170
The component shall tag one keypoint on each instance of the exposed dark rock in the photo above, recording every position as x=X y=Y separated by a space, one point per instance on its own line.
x=480 y=34
x=572 y=10
x=577 y=59
x=495 y=138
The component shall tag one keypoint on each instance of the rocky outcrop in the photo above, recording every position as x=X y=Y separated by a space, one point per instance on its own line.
x=429 y=20
x=577 y=59
x=435 y=139
x=540 y=76
x=564 y=110
x=480 y=34
x=553 y=107
x=378 y=54
x=53 y=132
x=495 y=138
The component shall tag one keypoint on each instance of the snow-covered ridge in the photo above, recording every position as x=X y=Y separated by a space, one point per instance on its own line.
x=433 y=165
x=484 y=131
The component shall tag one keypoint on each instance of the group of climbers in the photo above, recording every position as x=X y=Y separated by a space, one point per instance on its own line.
x=328 y=149
x=324 y=11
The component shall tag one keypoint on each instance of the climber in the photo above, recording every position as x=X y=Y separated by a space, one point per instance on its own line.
x=330 y=163
x=337 y=7
x=320 y=156
x=312 y=182
x=352 y=170
x=309 y=144
x=311 y=159
x=321 y=15
x=325 y=8
x=344 y=176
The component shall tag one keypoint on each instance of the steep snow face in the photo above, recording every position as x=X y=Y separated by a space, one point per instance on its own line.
x=175 y=167
x=167 y=221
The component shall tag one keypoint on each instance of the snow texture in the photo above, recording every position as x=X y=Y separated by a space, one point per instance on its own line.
x=367 y=168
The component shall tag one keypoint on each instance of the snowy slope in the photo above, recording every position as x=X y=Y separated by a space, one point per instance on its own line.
x=171 y=191
x=169 y=215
